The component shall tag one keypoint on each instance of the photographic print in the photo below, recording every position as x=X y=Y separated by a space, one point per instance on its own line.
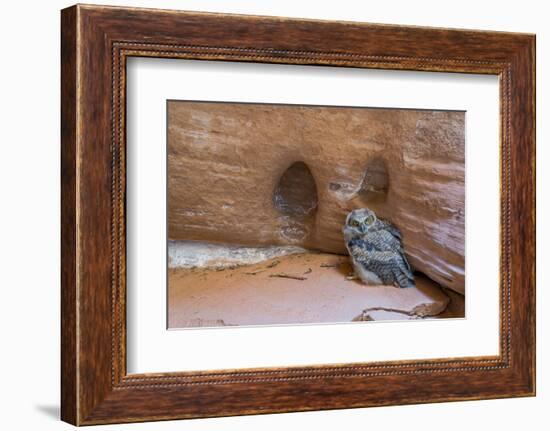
x=299 y=214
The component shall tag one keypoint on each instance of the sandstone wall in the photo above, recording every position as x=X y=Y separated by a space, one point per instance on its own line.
x=229 y=178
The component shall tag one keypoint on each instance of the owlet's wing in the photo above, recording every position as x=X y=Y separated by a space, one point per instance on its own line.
x=390 y=267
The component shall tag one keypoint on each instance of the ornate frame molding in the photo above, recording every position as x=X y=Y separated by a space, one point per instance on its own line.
x=96 y=41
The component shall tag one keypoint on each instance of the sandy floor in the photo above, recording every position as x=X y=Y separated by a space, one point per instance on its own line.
x=299 y=288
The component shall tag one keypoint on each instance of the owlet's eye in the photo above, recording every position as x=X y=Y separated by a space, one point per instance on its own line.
x=354 y=223
x=370 y=220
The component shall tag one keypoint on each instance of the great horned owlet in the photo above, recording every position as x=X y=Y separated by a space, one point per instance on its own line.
x=376 y=251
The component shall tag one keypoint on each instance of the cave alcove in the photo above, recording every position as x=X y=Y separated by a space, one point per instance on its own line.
x=295 y=198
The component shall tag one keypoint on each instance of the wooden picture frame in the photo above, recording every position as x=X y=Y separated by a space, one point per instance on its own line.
x=95 y=43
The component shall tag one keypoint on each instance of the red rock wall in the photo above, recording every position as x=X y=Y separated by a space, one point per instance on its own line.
x=226 y=162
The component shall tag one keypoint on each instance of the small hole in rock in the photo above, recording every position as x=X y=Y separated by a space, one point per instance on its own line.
x=375 y=184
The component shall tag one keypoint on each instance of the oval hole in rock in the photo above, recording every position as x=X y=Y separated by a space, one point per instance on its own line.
x=375 y=184
x=296 y=192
